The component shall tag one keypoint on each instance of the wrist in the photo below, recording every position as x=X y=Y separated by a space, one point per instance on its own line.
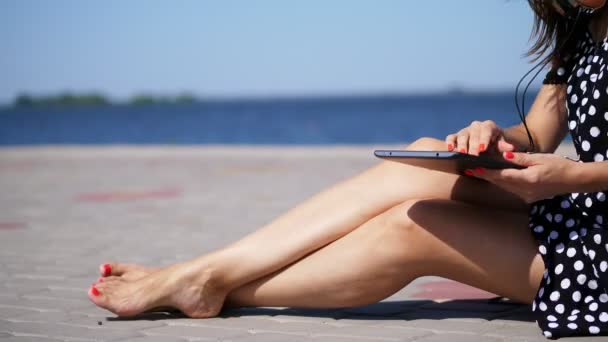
x=574 y=176
x=588 y=177
x=517 y=136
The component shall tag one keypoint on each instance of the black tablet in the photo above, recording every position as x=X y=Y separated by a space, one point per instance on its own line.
x=452 y=162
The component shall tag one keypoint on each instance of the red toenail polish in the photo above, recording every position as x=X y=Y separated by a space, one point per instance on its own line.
x=468 y=172
x=462 y=150
x=482 y=147
x=107 y=270
x=509 y=155
x=94 y=291
x=450 y=147
x=480 y=170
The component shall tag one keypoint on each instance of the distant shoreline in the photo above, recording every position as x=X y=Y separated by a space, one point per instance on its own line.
x=92 y=99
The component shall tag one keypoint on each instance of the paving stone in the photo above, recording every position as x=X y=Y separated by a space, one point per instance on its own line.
x=353 y=339
x=458 y=338
x=538 y=338
x=64 y=331
x=209 y=333
x=466 y=316
x=271 y=337
x=259 y=326
x=447 y=325
x=377 y=332
x=88 y=321
x=30 y=339
x=367 y=321
x=10 y=312
x=160 y=339
x=514 y=330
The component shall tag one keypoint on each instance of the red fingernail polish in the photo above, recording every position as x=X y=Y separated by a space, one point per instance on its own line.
x=462 y=150
x=480 y=170
x=100 y=280
x=107 y=270
x=450 y=147
x=94 y=291
x=509 y=155
x=482 y=147
x=468 y=172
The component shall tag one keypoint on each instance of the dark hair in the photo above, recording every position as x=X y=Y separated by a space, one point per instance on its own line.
x=551 y=32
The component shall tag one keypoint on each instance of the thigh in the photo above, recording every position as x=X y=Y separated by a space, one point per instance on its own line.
x=483 y=247
x=487 y=248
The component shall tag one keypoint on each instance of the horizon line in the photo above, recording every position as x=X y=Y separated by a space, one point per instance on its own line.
x=272 y=97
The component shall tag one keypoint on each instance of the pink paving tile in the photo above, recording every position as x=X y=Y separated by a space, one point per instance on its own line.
x=12 y=225
x=447 y=289
x=113 y=196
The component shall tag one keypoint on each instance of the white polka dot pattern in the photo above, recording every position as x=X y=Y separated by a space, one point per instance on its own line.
x=572 y=299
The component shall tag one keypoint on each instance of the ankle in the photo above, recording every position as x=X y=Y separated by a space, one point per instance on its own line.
x=202 y=271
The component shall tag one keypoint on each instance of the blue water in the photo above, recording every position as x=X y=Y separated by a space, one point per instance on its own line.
x=297 y=121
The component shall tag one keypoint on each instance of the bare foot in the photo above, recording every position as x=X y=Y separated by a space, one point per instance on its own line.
x=127 y=272
x=187 y=287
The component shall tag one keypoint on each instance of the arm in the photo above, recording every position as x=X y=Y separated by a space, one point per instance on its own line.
x=590 y=177
x=547 y=121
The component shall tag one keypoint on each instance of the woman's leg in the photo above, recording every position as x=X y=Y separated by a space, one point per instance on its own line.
x=321 y=220
x=334 y=213
x=486 y=248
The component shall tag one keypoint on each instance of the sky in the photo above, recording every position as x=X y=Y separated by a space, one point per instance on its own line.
x=260 y=48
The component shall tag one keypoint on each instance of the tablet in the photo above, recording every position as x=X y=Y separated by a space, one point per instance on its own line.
x=451 y=162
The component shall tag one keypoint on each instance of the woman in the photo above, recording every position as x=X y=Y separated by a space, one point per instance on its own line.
x=536 y=236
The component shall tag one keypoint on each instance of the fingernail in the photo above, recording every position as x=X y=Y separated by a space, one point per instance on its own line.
x=462 y=150
x=480 y=170
x=100 y=280
x=94 y=291
x=450 y=147
x=482 y=147
x=107 y=270
x=509 y=155
x=469 y=172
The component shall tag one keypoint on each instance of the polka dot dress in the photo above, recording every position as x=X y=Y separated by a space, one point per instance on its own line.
x=572 y=229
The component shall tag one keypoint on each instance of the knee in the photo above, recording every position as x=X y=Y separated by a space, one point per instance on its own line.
x=398 y=225
x=399 y=242
x=426 y=143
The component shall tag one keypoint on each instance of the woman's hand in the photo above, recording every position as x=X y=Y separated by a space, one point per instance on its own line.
x=479 y=137
x=546 y=175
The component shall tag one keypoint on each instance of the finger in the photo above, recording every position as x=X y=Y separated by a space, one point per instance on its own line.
x=475 y=172
x=487 y=134
x=483 y=173
x=504 y=146
x=474 y=130
x=462 y=141
x=512 y=175
x=450 y=141
x=523 y=159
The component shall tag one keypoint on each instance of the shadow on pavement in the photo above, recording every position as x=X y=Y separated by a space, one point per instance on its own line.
x=487 y=309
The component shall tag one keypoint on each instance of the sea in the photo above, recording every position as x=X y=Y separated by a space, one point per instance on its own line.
x=347 y=120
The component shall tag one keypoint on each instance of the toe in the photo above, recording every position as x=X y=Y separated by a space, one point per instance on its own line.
x=114 y=269
x=95 y=295
x=120 y=269
x=106 y=269
x=102 y=295
x=109 y=279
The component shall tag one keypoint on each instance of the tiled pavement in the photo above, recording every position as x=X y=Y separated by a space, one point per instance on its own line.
x=63 y=211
